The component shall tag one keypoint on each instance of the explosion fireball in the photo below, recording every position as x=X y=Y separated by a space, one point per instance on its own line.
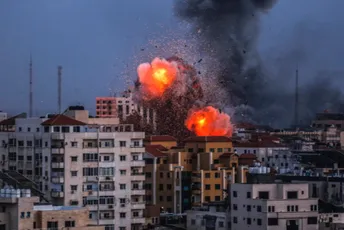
x=173 y=90
x=208 y=121
x=156 y=77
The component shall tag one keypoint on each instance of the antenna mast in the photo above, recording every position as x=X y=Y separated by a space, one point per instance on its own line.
x=296 y=108
x=59 y=88
x=30 y=88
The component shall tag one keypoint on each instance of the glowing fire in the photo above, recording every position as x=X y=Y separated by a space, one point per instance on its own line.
x=157 y=77
x=209 y=121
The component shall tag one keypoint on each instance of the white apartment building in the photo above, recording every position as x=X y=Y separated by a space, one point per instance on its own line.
x=273 y=207
x=78 y=164
x=270 y=154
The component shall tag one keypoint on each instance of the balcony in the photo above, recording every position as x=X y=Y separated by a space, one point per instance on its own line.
x=138 y=220
x=57 y=150
x=138 y=205
x=138 y=192
x=90 y=179
x=57 y=178
x=197 y=192
x=137 y=163
x=196 y=177
x=57 y=165
x=57 y=194
x=137 y=176
x=57 y=136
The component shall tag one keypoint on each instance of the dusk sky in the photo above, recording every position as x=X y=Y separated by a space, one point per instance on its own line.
x=95 y=42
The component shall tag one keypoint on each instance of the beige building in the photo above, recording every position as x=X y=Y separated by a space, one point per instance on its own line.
x=273 y=207
x=82 y=162
x=24 y=213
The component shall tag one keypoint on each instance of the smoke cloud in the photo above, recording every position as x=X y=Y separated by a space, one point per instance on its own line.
x=227 y=32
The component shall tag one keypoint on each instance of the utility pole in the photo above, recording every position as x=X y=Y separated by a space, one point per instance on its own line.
x=296 y=105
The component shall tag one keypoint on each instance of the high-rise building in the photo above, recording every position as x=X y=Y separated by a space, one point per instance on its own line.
x=81 y=161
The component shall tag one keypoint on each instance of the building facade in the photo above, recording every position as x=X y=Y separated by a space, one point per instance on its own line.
x=99 y=166
x=273 y=206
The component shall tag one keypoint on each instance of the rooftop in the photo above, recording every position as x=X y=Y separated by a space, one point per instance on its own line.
x=161 y=138
x=208 y=139
x=12 y=120
x=156 y=150
x=258 y=144
x=60 y=119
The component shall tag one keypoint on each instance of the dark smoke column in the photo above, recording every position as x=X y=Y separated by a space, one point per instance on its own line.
x=227 y=32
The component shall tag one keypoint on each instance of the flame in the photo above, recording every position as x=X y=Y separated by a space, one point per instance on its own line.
x=209 y=121
x=156 y=77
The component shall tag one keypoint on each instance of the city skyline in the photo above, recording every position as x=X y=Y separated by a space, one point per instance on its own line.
x=96 y=54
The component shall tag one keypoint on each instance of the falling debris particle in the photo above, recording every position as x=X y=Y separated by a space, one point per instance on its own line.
x=199 y=61
x=199 y=72
x=142 y=49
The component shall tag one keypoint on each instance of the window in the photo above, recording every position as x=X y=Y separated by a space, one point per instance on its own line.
x=217 y=186
x=259 y=221
x=263 y=195
x=122 y=158
x=122 y=186
x=271 y=208
x=221 y=225
x=123 y=172
x=122 y=215
x=272 y=221
x=74 y=159
x=235 y=220
x=161 y=187
x=212 y=150
x=65 y=129
x=248 y=195
x=217 y=198
x=248 y=221
x=22 y=215
x=90 y=157
x=169 y=186
x=207 y=175
x=70 y=223
x=122 y=201
x=76 y=129
x=193 y=221
x=161 y=175
x=74 y=144
x=235 y=194
x=292 y=195
x=200 y=150
x=106 y=158
x=29 y=143
x=73 y=187
x=52 y=225
x=74 y=173
x=28 y=214
x=148 y=174
x=169 y=198
x=207 y=187
x=217 y=175
x=314 y=207
x=235 y=207
x=312 y=220
x=248 y=208
x=219 y=150
x=122 y=143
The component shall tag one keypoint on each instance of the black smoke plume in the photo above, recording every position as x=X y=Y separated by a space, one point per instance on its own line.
x=227 y=31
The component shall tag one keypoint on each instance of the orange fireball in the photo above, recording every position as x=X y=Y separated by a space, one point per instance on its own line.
x=157 y=77
x=209 y=121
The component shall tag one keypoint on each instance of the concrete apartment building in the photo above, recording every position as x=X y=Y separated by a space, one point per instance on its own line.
x=3 y=115
x=92 y=163
x=122 y=107
x=269 y=153
x=25 y=212
x=179 y=178
x=273 y=206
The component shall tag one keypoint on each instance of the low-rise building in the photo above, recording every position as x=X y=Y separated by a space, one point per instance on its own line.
x=20 y=211
x=272 y=206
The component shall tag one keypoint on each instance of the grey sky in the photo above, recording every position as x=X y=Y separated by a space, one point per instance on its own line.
x=95 y=40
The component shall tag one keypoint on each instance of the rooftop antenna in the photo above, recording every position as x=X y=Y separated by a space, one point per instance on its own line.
x=296 y=106
x=59 y=87
x=30 y=88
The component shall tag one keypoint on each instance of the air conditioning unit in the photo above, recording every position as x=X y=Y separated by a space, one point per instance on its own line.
x=90 y=192
x=122 y=205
